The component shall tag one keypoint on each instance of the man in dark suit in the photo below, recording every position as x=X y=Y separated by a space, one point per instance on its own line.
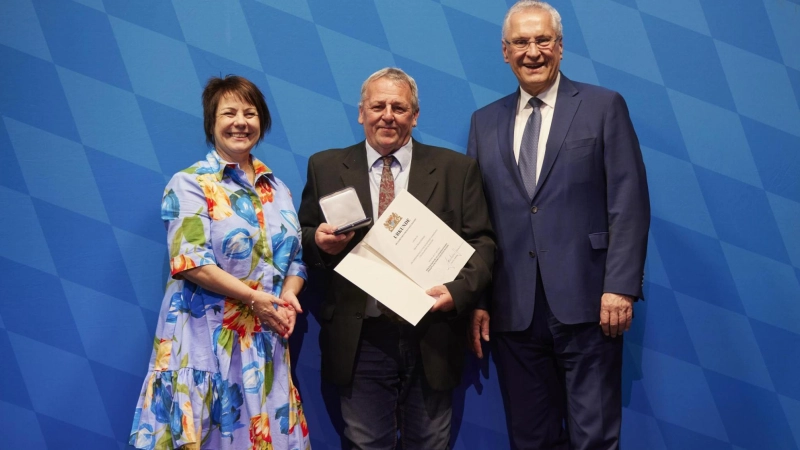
x=567 y=192
x=391 y=375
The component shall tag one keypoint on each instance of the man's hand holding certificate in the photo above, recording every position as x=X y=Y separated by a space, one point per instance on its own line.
x=408 y=251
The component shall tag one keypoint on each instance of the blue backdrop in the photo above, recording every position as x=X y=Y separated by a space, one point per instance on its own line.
x=100 y=105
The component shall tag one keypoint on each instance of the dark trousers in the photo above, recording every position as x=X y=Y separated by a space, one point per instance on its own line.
x=390 y=394
x=561 y=384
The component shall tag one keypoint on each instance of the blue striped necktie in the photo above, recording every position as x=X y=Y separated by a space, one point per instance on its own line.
x=529 y=147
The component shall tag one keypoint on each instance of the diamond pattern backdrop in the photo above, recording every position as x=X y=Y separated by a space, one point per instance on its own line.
x=100 y=104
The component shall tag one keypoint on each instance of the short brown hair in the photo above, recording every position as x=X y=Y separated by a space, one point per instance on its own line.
x=244 y=89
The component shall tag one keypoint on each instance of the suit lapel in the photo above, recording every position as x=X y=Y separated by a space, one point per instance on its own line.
x=356 y=173
x=421 y=181
x=567 y=104
x=505 y=139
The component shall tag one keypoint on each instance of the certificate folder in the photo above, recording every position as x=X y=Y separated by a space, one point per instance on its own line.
x=408 y=251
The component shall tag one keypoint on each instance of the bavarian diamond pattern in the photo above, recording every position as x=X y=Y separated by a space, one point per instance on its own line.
x=100 y=105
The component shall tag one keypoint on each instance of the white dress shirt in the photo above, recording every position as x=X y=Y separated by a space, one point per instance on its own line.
x=524 y=110
x=401 y=167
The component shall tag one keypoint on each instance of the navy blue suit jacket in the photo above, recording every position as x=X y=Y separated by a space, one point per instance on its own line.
x=586 y=226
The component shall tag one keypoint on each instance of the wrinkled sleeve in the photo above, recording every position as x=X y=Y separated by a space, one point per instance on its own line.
x=297 y=267
x=184 y=209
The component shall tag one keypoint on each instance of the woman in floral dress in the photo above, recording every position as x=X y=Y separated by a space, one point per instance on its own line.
x=219 y=374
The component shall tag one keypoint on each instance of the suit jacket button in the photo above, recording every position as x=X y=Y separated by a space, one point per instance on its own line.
x=532 y=253
x=534 y=209
x=358 y=315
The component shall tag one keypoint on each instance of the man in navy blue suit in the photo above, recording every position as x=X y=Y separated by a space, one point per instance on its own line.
x=567 y=192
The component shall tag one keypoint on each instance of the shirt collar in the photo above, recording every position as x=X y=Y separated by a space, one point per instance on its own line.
x=402 y=154
x=218 y=165
x=548 y=96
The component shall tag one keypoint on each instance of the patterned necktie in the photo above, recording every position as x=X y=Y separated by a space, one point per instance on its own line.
x=529 y=148
x=385 y=197
x=386 y=194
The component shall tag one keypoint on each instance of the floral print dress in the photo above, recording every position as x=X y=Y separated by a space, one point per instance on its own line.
x=217 y=378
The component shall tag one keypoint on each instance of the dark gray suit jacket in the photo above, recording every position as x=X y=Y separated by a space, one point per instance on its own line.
x=449 y=184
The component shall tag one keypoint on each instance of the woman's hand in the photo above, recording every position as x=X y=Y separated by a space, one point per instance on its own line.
x=293 y=308
x=280 y=319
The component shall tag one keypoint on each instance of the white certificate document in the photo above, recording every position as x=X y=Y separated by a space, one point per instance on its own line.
x=407 y=251
x=379 y=278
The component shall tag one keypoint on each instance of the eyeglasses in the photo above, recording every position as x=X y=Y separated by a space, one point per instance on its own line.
x=542 y=43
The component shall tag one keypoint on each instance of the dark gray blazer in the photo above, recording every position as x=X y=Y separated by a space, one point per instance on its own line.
x=449 y=184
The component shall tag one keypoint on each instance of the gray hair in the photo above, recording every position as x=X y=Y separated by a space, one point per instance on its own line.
x=523 y=5
x=396 y=75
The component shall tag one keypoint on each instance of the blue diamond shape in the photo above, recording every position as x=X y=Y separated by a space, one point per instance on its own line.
x=646 y=100
x=114 y=188
x=23 y=31
x=616 y=36
x=154 y=15
x=697 y=73
x=727 y=24
x=178 y=138
x=492 y=11
x=680 y=438
x=758 y=278
x=675 y=195
x=690 y=275
x=129 y=355
x=280 y=39
x=174 y=83
x=147 y=265
x=679 y=393
x=444 y=110
x=33 y=94
x=119 y=391
x=579 y=68
x=659 y=308
x=753 y=416
x=79 y=401
x=700 y=123
x=100 y=261
x=686 y=13
x=640 y=431
x=787 y=215
x=741 y=214
x=791 y=408
x=50 y=163
x=80 y=39
x=729 y=347
x=775 y=155
x=427 y=42
x=117 y=134
x=21 y=428
x=783 y=21
x=220 y=28
x=478 y=44
x=52 y=323
x=10 y=392
x=357 y=19
x=10 y=172
x=351 y=62
x=291 y=101
x=61 y=434
x=25 y=243
x=772 y=103
x=781 y=351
